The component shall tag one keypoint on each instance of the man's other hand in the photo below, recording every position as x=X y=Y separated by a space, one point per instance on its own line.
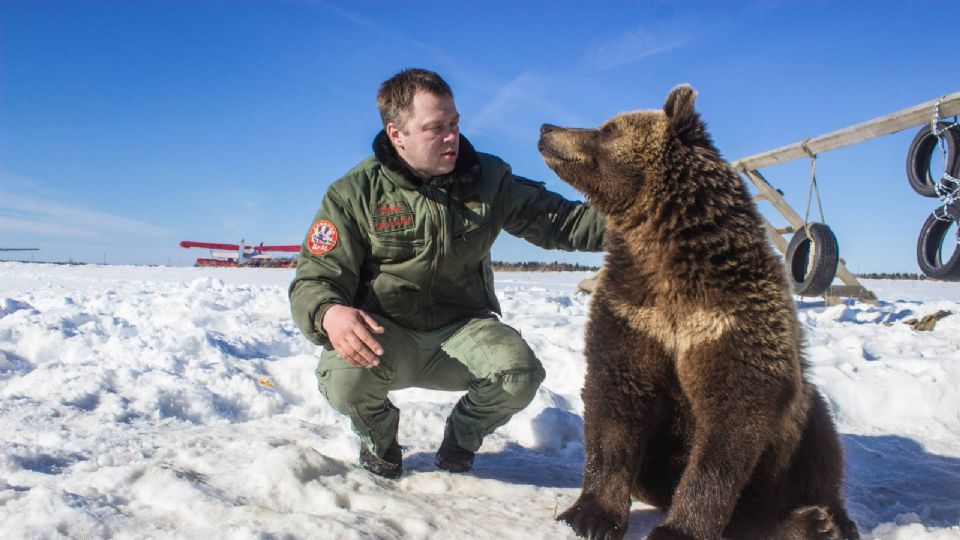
x=349 y=332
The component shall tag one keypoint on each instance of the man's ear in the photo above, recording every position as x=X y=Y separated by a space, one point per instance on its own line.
x=395 y=134
x=679 y=104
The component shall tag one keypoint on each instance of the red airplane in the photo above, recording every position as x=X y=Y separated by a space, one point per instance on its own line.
x=242 y=255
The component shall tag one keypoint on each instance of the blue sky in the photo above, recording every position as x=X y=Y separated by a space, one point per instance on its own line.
x=128 y=126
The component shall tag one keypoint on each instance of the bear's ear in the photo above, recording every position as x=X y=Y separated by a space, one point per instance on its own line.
x=685 y=122
x=679 y=104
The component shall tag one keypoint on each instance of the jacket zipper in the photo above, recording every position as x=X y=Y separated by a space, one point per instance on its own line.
x=437 y=212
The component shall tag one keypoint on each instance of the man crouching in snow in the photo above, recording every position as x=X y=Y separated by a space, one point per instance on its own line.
x=394 y=276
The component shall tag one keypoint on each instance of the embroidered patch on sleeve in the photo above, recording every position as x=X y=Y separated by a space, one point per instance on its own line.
x=322 y=237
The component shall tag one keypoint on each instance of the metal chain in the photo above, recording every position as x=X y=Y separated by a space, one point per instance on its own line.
x=947 y=187
x=942 y=213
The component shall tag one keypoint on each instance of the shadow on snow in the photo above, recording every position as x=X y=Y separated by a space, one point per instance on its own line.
x=890 y=475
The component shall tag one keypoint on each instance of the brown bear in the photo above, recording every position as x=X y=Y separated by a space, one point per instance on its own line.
x=695 y=399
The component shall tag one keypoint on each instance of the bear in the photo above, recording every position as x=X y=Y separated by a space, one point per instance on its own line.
x=695 y=395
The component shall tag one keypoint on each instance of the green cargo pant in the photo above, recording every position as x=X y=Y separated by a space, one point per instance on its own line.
x=483 y=356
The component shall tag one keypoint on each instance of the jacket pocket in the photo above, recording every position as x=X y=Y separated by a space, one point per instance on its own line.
x=393 y=250
x=399 y=299
x=471 y=232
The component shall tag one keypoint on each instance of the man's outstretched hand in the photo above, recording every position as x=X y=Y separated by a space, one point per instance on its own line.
x=349 y=332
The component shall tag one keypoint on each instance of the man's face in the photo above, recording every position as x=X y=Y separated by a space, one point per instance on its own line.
x=429 y=139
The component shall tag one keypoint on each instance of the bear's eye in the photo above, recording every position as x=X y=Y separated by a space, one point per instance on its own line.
x=608 y=130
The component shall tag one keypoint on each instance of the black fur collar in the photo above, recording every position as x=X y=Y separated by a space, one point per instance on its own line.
x=465 y=171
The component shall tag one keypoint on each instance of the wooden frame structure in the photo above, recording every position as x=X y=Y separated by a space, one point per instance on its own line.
x=884 y=125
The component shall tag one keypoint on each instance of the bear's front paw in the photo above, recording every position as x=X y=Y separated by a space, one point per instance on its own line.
x=664 y=532
x=589 y=519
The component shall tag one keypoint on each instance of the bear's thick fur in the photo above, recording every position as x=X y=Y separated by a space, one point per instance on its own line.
x=695 y=397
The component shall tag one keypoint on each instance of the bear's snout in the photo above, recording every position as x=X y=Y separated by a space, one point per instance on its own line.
x=542 y=145
x=562 y=147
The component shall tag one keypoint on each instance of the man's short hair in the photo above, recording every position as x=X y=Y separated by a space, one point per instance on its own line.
x=395 y=98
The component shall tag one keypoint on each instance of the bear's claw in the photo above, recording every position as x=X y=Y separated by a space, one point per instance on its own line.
x=663 y=532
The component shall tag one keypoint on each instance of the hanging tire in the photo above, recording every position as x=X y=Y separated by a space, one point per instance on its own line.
x=812 y=260
x=921 y=151
x=933 y=235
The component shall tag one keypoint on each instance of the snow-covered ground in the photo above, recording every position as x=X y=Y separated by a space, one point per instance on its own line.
x=181 y=402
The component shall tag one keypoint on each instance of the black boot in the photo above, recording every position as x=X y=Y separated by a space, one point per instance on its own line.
x=451 y=456
x=389 y=466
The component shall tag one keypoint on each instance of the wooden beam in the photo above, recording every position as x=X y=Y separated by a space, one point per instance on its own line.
x=774 y=235
x=835 y=295
x=884 y=125
x=776 y=199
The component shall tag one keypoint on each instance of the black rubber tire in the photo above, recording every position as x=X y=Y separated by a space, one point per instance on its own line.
x=921 y=151
x=932 y=236
x=812 y=260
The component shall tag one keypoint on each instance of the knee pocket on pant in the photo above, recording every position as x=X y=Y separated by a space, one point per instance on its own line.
x=519 y=387
x=491 y=347
x=345 y=386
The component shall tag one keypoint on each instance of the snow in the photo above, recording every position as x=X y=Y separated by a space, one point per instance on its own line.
x=152 y=402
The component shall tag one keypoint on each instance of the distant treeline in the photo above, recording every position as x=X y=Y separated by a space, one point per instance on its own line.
x=533 y=266
x=894 y=275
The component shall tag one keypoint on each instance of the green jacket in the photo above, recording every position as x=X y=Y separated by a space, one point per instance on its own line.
x=419 y=253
